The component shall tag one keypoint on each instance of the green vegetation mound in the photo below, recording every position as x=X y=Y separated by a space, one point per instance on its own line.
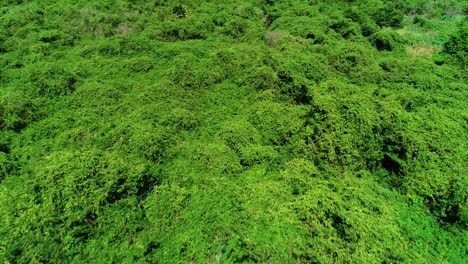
x=233 y=131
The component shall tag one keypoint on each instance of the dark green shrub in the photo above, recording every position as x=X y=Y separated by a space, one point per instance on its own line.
x=346 y=28
x=11 y=60
x=17 y=111
x=312 y=28
x=438 y=59
x=386 y=40
x=4 y=163
x=179 y=10
x=457 y=46
x=263 y=78
x=135 y=44
x=8 y=162
x=30 y=14
x=56 y=37
x=294 y=86
x=3 y=38
x=295 y=77
x=52 y=79
x=236 y=28
x=367 y=25
x=389 y=16
x=422 y=22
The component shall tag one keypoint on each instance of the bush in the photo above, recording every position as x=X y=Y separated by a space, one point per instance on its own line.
x=238 y=134
x=56 y=37
x=349 y=59
x=17 y=111
x=195 y=26
x=70 y=198
x=346 y=28
x=278 y=121
x=263 y=78
x=236 y=28
x=52 y=80
x=457 y=45
x=256 y=154
x=367 y=25
x=438 y=59
x=313 y=29
x=189 y=71
x=389 y=16
x=386 y=40
x=95 y=23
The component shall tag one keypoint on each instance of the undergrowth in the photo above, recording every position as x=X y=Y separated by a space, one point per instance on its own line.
x=242 y=132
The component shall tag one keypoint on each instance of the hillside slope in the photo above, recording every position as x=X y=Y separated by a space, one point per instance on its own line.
x=242 y=132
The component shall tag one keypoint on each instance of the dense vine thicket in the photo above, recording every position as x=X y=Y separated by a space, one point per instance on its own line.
x=233 y=131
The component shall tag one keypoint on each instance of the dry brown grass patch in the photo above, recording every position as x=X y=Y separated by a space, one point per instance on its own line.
x=273 y=37
x=123 y=29
x=422 y=50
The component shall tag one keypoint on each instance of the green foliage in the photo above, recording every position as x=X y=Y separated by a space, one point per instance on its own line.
x=386 y=40
x=389 y=16
x=312 y=28
x=457 y=45
x=52 y=80
x=233 y=132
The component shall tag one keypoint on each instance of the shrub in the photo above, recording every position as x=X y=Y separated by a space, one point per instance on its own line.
x=236 y=28
x=422 y=22
x=70 y=199
x=389 y=16
x=56 y=37
x=386 y=40
x=189 y=71
x=363 y=20
x=17 y=111
x=218 y=158
x=95 y=23
x=232 y=132
x=278 y=121
x=263 y=78
x=312 y=28
x=180 y=119
x=140 y=64
x=257 y=154
x=195 y=26
x=150 y=141
x=238 y=133
x=438 y=59
x=346 y=28
x=348 y=59
x=457 y=45
x=51 y=79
